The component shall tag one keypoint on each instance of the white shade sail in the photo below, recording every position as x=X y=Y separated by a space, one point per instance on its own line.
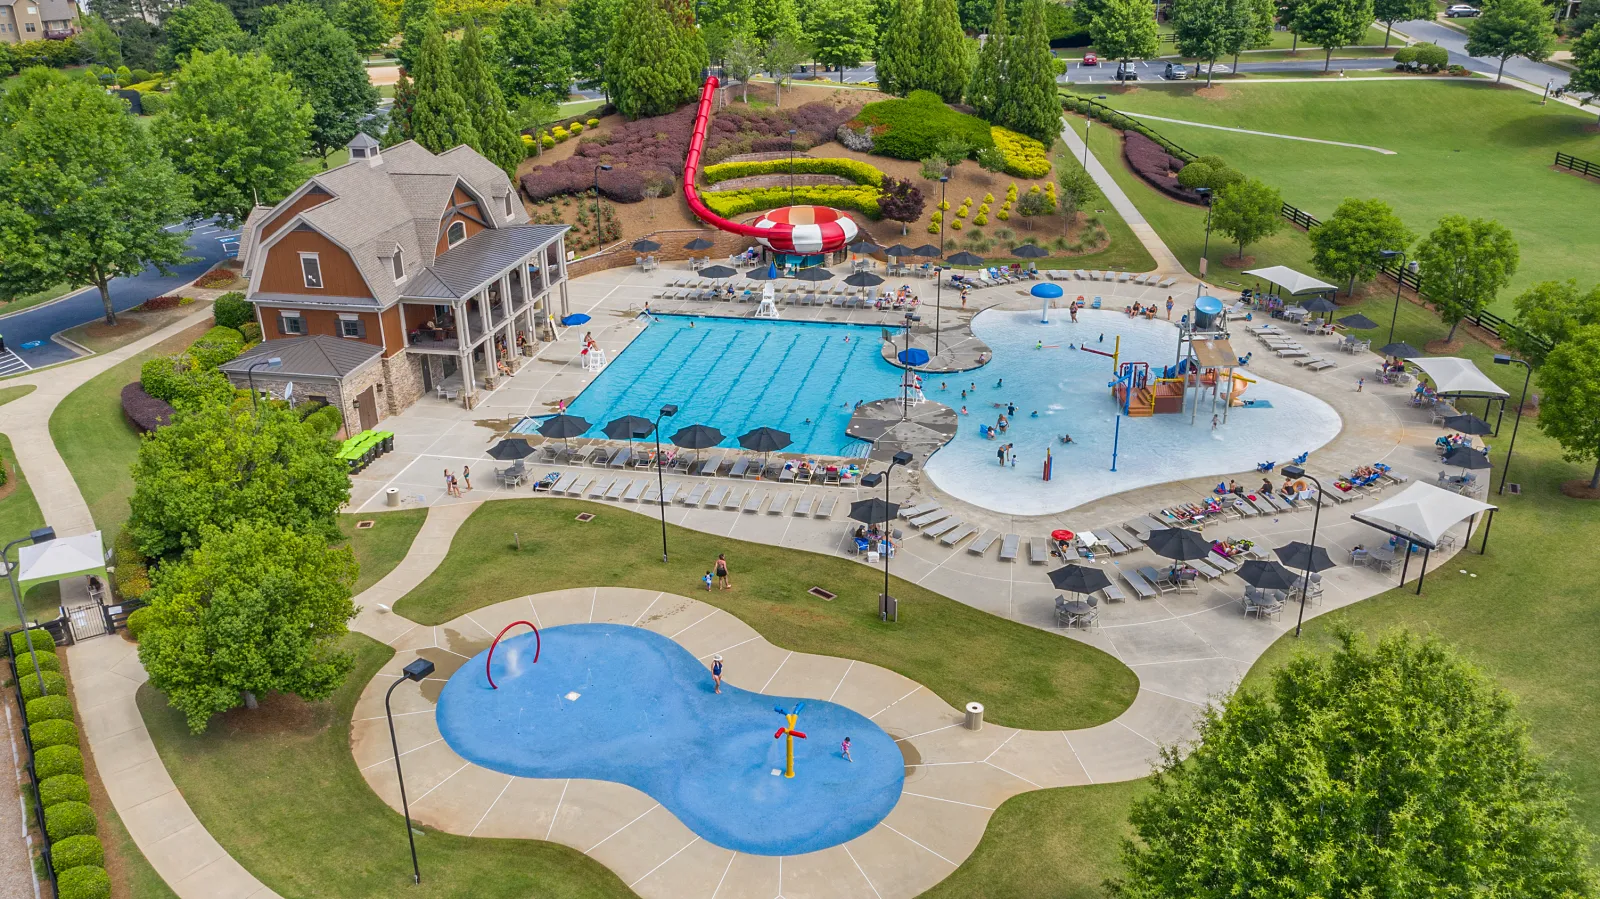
x=1423 y=511
x=1454 y=375
x=60 y=558
x=1289 y=280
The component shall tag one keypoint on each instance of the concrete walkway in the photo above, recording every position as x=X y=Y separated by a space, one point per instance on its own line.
x=1309 y=140
x=1166 y=262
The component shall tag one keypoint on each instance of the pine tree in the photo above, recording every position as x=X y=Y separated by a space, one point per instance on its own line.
x=440 y=119
x=413 y=15
x=405 y=97
x=498 y=140
x=900 y=50
x=1029 y=101
x=946 y=64
x=654 y=60
x=988 y=86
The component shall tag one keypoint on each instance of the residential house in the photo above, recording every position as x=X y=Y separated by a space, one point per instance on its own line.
x=426 y=262
x=37 y=20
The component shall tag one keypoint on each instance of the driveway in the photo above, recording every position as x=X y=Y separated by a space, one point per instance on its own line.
x=1536 y=73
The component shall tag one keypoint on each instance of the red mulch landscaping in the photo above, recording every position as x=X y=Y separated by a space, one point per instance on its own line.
x=1156 y=166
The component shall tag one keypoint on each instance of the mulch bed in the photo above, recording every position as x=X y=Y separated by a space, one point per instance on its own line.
x=1579 y=489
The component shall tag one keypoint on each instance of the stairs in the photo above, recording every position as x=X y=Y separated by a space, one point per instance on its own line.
x=1143 y=404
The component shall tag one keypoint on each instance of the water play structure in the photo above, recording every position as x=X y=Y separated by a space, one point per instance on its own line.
x=794 y=230
x=538 y=646
x=790 y=719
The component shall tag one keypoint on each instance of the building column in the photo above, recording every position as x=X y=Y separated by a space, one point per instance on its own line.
x=469 y=384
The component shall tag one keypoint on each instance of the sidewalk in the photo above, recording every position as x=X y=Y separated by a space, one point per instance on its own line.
x=1166 y=262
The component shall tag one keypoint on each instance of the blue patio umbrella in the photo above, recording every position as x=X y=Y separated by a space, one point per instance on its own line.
x=1047 y=291
x=914 y=356
x=576 y=318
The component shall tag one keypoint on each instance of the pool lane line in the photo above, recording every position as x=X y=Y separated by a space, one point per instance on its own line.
x=800 y=383
x=704 y=335
x=746 y=374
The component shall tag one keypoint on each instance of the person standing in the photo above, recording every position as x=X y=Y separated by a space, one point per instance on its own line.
x=1169 y=307
x=716 y=673
x=721 y=568
x=844 y=749
x=466 y=476
x=1000 y=454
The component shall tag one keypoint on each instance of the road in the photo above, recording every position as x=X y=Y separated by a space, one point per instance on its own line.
x=1535 y=73
x=34 y=326
x=1152 y=70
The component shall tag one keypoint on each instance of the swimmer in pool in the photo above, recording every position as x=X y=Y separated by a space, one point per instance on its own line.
x=1039 y=345
x=1066 y=438
x=1000 y=383
x=1035 y=414
x=963 y=410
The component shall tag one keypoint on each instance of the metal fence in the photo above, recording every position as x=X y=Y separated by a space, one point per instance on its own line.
x=1581 y=166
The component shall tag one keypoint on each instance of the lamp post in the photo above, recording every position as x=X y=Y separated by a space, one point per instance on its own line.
x=1505 y=467
x=38 y=535
x=1086 y=125
x=667 y=411
x=872 y=480
x=1399 y=282
x=250 y=376
x=1295 y=471
x=416 y=671
x=599 y=232
x=1205 y=252
x=792 y=132
x=938 y=280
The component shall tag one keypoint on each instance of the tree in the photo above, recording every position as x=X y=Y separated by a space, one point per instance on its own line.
x=533 y=114
x=257 y=608
x=773 y=19
x=742 y=60
x=1030 y=102
x=1248 y=211
x=1250 y=26
x=414 y=18
x=1510 y=28
x=405 y=100
x=1391 y=11
x=1586 y=60
x=324 y=65
x=498 y=139
x=900 y=49
x=366 y=23
x=440 y=119
x=1347 y=246
x=1331 y=24
x=593 y=22
x=841 y=32
x=945 y=64
x=102 y=44
x=533 y=59
x=237 y=130
x=1203 y=28
x=1077 y=188
x=1463 y=264
x=1550 y=313
x=779 y=60
x=203 y=26
x=1033 y=203
x=986 y=89
x=1570 y=411
x=901 y=202
x=218 y=465
x=1126 y=29
x=654 y=61
x=1385 y=770
x=992 y=160
x=84 y=195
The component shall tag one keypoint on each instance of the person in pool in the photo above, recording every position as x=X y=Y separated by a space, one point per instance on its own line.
x=1035 y=414
x=963 y=410
x=1066 y=438
x=716 y=673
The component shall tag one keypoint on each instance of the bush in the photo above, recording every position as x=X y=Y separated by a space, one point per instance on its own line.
x=1431 y=57
x=216 y=346
x=981 y=218
x=232 y=310
x=546 y=141
x=849 y=169
x=560 y=133
x=75 y=852
x=130 y=563
x=1025 y=157
x=143 y=411
x=136 y=622
x=326 y=421
x=1156 y=166
x=157 y=304
x=1405 y=57
x=57 y=760
x=592 y=122
x=987 y=199
x=153 y=102
x=63 y=788
x=84 y=882
x=52 y=733
x=857 y=139
x=54 y=684
x=47 y=660
x=729 y=203
x=955 y=225
x=38 y=636
x=936 y=217
x=49 y=708
x=251 y=332
x=911 y=128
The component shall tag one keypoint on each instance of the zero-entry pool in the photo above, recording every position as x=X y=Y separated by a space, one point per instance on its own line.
x=625 y=704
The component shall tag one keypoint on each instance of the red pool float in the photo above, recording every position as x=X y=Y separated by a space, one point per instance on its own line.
x=1063 y=535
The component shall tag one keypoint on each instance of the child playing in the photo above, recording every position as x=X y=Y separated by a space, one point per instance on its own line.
x=845 y=748
x=707 y=581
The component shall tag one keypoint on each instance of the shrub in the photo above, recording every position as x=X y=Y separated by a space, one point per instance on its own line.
x=326 y=421
x=1431 y=56
x=251 y=332
x=857 y=139
x=136 y=622
x=38 y=636
x=52 y=733
x=982 y=218
x=933 y=228
x=592 y=122
x=849 y=169
x=560 y=133
x=153 y=102
x=185 y=301
x=216 y=278
x=144 y=412
x=936 y=217
x=546 y=141
x=575 y=129
x=47 y=660
x=232 y=310
x=961 y=213
x=63 y=788
x=987 y=199
x=49 y=708
x=75 y=852
x=1156 y=166
x=911 y=128
x=216 y=346
x=730 y=203
x=54 y=684
x=955 y=225
x=132 y=577
x=1011 y=192
x=157 y=304
x=84 y=882
x=1004 y=214
x=1025 y=157
x=55 y=760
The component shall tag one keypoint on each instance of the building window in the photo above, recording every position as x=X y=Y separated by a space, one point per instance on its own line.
x=399 y=265
x=311 y=268
x=358 y=152
x=33 y=10
x=455 y=234
x=291 y=323
x=30 y=27
x=509 y=198
x=352 y=327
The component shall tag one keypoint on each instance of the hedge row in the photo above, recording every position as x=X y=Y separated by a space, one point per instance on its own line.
x=729 y=203
x=1025 y=157
x=1121 y=122
x=911 y=128
x=849 y=169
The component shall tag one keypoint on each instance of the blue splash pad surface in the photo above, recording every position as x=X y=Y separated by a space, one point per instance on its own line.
x=646 y=716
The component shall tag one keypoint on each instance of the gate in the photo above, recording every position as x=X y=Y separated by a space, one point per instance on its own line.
x=86 y=620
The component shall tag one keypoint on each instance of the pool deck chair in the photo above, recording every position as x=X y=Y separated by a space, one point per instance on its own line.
x=752 y=503
x=1167 y=282
x=1113 y=593
x=1154 y=578
x=1110 y=541
x=1206 y=571
x=1008 y=547
x=948 y=525
x=578 y=486
x=779 y=500
x=981 y=545
x=739 y=469
x=1038 y=551
x=959 y=534
x=621 y=486
x=919 y=510
x=718 y=494
x=651 y=493
x=708 y=466
x=697 y=494
x=635 y=489
x=599 y=488
x=802 y=506
x=1227 y=565
x=735 y=497
x=622 y=457
x=1141 y=587
x=599 y=457
x=825 y=507
x=929 y=519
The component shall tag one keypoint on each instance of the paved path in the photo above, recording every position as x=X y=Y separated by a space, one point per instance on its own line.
x=1309 y=140
x=1536 y=74
x=1166 y=262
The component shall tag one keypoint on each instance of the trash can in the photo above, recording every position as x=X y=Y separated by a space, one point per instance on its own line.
x=974 y=716
x=391 y=496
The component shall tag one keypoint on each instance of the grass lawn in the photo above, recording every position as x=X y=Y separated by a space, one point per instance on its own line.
x=34 y=299
x=19 y=514
x=97 y=443
x=380 y=548
x=1283 y=40
x=280 y=791
x=7 y=394
x=1046 y=683
x=98 y=337
x=1464 y=147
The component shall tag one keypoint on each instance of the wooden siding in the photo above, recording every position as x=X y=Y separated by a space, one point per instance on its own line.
x=320 y=321
x=280 y=272
x=285 y=214
x=394 y=335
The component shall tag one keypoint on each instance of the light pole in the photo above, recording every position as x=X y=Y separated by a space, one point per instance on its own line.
x=871 y=480
x=416 y=671
x=667 y=411
x=1086 y=124
x=1399 y=282
x=1505 y=467
x=38 y=535
x=250 y=376
x=938 y=280
x=792 y=132
x=1205 y=252
x=599 y=232
x=1295 y=471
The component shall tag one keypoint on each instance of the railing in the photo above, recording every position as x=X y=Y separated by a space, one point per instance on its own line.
x=1301 y=219
x=1581 y=166
x=1498 y=327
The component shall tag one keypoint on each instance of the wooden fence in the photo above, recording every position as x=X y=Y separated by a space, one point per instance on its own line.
x=1581 y=166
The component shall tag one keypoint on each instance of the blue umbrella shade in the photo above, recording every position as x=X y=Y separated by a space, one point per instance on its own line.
x=576 y=318
x=914 y=356
x=1047 y=291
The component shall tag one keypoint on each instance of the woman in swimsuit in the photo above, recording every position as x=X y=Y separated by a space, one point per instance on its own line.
x=716 y=673
x=721 y=570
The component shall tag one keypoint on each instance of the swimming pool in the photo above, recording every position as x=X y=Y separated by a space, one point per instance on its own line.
x=740 y=374
x=628 y=705
x=1038 y=369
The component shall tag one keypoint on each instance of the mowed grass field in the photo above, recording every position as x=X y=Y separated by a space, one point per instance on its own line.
x=1462 y=147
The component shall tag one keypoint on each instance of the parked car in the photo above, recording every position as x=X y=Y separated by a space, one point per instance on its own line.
x=1177 y=71
x=1462 y=11
x=1090 y=59
x=1127 y=72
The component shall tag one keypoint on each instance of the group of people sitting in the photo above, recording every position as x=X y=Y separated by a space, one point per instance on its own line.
x=1232 y=547
x=1423 y=395
x=869 y=538
x=1362 y=476
x=1449 y=442
x=1136 y=310
x=901 y=298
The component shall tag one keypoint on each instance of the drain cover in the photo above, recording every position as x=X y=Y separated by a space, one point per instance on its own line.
x=821 y=593
x=1515 y=488
x=365 y=525
x=586 y=516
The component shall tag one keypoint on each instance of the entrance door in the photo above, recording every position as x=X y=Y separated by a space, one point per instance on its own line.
x=87 y=621
x=367 y=410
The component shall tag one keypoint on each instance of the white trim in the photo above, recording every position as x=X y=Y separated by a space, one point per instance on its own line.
x=305 y=276
x=450 y=229
x=349 y=317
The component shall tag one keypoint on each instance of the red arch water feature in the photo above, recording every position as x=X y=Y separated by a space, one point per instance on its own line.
x=805 y=230
x=537 y=645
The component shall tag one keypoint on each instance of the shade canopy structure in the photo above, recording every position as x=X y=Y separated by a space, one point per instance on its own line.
x=815 y=273
x=863 y=279
x=1358 y=322
x=914 y=356
x=511 y=449
x=1422 y=513
x=1267 y=575
x=1400 y=350
x=965 y=258
x=1289 y=280
x=697 y=437
x=717 y=271
x=63 y=557
x=1079 y=579
x=1047 y=291
x=629 y=427
x=645 y=245
x=1178 y=544
x=1468 y=424
x=873 y=511
x=699 y=243
x=1030 y=251
x=1456 y=376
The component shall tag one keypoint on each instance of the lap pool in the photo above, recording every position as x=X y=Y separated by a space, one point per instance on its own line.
x=628 y=705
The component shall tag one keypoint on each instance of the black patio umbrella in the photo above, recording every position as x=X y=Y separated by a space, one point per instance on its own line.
x=697 y=437
x=645 y=245
x=1468 y=458
x=770 y=273
x=900 y=250
x=764 y=441
x=1358 y=322
x=873 y=511
x=965 y=258
x=1303 y=556
x=1178 y=544
x=815 y=273
x=629 y=427
x=1319 y=304
x=863 y=279
x=1400 y=350
x=1079 y=579
x=1267 y=575
x=865 y=247
x=1468 y=424
x=509 y=449
x=564 y=427
x=717 y=271
x=1029 y=251
x=699 y=243
x=928 y=251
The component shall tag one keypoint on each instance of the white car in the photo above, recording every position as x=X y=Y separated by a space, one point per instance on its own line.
x=1462 y=11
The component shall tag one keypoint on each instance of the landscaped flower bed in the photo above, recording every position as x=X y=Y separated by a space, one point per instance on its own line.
x=729 y=203
x=849 y=169
x=1156 y=166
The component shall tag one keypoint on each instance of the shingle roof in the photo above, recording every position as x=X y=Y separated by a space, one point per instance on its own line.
x=478 y=258
x=317 y=356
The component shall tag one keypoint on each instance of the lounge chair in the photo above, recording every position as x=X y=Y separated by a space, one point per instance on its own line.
x=1008 y=547
x=1141 y=587
x=825 y=508
x=1167 y=282
x=695 y=495
x=959 y=534
x=1038 y=550
x=708 y=467
x=1222 y=562
x=548 y=482
x=1206 y=571
x=619 y=488
x=943 y=527
x=579 y=485
x=802 y=506
x=652 y=493
x=779 y=500
x=931 y=518
x=599 y=457
x=598 y=489
x=981 y=545
x=735 y=497
x=1162 y=581
x=919 y=510
x=739 y=468
x=1113 y=593
x=1111 y=542
x=621 y=458
x=1290 y=353
x=634 y=491
x=1128 y=536
x=673 y=492
x=718 y=494
x=1320 y=365
x=752 y=503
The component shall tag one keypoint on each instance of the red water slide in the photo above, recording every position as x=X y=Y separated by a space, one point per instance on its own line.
x=691 y=169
